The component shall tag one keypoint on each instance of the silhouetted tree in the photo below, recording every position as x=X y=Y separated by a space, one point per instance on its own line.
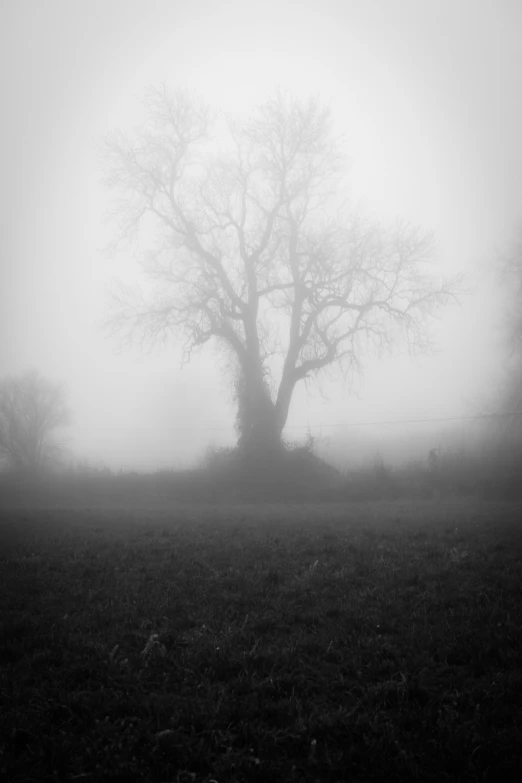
x=31 y=409
x=243 y=236
x=510 y=402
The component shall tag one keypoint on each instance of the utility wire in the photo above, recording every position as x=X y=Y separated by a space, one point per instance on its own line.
x=345 y=425
x=409 y=421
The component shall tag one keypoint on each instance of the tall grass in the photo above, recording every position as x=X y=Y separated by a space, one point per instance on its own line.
x=290 y=643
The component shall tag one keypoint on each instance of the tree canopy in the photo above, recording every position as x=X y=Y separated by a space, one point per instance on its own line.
x=245 y=241
x=31 y=409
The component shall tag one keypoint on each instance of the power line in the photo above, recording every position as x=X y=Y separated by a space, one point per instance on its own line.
x=408 y=421
x=345 y=425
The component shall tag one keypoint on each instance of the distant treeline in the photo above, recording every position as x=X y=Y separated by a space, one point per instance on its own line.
x=298 y=476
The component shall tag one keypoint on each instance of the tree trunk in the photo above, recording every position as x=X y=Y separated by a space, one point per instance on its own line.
x=257 y=424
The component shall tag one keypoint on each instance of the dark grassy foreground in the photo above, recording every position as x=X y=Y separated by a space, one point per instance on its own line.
x=297 y=643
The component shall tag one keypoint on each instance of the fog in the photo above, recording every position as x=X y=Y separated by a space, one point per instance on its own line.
x=428 y=95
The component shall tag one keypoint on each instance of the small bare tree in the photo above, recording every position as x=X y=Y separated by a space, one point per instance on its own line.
x=31 y=409
x=509 y=399
x=245 y=242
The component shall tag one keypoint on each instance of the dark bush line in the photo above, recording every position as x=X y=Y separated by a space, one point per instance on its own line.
x=297 y=476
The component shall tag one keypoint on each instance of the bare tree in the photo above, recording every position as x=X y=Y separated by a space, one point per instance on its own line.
x=510 y=275
x=31 y=409
x=241 y=232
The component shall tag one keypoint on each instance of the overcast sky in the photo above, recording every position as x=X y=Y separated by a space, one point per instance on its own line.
x=428 y=94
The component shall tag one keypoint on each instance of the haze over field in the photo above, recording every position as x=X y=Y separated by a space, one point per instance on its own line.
x=428 y=95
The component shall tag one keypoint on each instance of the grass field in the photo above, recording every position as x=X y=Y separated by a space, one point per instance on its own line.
x=357 y=642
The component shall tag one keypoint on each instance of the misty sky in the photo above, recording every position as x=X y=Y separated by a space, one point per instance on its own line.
x=429 y=97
